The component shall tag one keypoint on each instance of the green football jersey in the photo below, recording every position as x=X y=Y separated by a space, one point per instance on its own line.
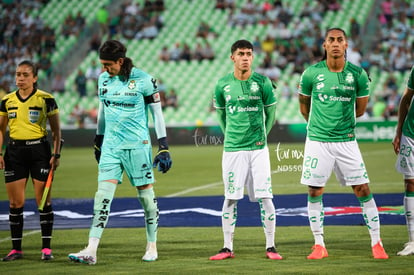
x=243 y=103
x=333 y=95
x=408 y=126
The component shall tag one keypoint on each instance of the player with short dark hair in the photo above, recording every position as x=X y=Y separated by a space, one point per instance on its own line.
x=28 y=153
x=332 y=93
x=246 y=103
x=123 y=143
x=404 y=147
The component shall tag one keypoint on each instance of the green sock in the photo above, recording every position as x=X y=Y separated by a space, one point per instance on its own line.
x=149 y=203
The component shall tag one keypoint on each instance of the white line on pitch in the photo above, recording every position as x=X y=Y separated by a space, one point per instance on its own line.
x=194 y=189
x=25 y=234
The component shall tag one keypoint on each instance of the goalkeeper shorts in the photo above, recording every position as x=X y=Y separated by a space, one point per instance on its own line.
x=136 y=163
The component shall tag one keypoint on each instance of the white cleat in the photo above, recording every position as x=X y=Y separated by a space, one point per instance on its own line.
x=84 y=256
x=151 y=253
x=408 y=249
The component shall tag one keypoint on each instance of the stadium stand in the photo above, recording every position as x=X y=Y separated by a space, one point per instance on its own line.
x=194 y=80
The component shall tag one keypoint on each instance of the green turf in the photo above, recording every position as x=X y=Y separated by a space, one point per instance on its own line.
x=185 y=250
x=197 y=172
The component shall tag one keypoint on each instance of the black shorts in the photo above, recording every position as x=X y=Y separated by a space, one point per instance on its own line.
x=22 y=160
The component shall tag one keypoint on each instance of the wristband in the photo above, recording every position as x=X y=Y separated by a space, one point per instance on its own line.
x=162 y=143
x=57 y=156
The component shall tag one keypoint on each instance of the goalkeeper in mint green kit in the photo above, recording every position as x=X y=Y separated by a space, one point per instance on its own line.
x=332 y=93
x=123 y=144
x=246 y=105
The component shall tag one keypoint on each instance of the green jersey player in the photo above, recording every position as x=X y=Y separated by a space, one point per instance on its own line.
x=246 y=104
x=123 y=144
x=332 y=93
x=404 y=148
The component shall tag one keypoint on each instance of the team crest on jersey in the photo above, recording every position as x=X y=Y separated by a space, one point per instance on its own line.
x=132 y=85
x=349 y=78
x=254 y=87
x=34 y=116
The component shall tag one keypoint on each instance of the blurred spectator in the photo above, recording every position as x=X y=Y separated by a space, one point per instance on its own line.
x=77 y=116
x=102 y=16
x=175 y=52
x=164 y=54
x=95 y=43
x=186 y=52
x=198 y=52
x=172 y=99
x=355 y=29
x=114 y=24
x=393 y=101
x=354 y=56
x=93 y=71
x=80 y=81
x=334 y=5
x=132 y=8
x=45 y=64
x=92 y=115
x=285 y=91
x=208 y=52
x=158 y=5
x=205 y=31
x=257 y=44
x=148 y=31
x=225 y=4
x=58 y=84
x=268 y=44
x=379 y=108
x=387 y=12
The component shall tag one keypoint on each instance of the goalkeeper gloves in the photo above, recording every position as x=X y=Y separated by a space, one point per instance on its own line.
x=162 y=159
x=98 y=144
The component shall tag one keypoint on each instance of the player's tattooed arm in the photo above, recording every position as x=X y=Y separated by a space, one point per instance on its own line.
x=304 y=105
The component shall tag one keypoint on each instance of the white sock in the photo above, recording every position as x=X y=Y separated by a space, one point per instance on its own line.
x=268 y=218
x=371 y=217
x=228 y=221
x=409 y=216
x=316 y=217
x=93 y=244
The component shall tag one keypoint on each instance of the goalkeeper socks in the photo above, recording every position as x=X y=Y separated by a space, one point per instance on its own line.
x=102 y=208
x=148 y=201
x=268 y=218
x=371 y=217
x=316 y=216
x=46 y=225
x=409 y=214
x=16 y=227
x=228 y=222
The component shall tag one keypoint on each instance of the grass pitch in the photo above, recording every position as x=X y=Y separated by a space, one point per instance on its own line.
x=196 y=171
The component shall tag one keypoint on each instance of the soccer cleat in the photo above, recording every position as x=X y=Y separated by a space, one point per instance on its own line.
x=378 y=251
x=84 y=256
x=272 y=254
x=13 y=255
x=151 y=253
x=319 y=252
x=223 y=254
x=408 y=249
x=47 y=254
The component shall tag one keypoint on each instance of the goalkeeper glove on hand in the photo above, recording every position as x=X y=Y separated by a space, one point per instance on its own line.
x=98 y=144
x=163 y=158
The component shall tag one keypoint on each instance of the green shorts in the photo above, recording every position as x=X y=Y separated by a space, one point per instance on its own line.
x=136 y=163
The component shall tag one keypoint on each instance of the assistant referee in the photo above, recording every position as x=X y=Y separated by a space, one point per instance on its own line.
x=28 y=152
